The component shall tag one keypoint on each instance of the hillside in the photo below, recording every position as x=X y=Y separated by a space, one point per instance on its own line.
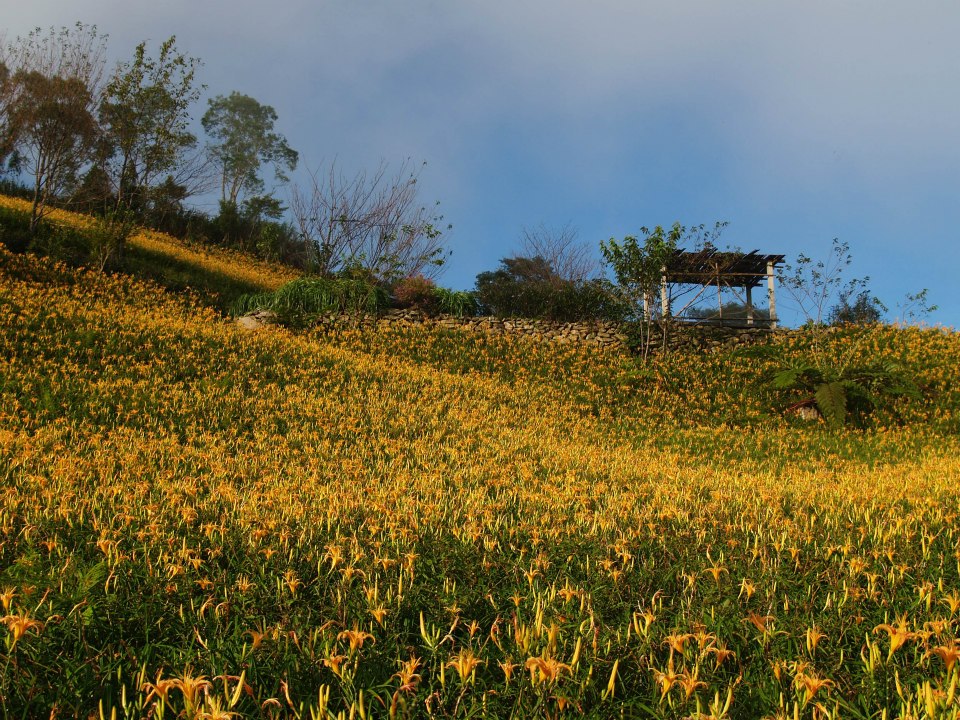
x=199 y=519
x=219 y=275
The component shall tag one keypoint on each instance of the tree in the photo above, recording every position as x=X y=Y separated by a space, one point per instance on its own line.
x=245 y=140
x=145 y=118
x=639 y=271
x=56 y=131
x=240 y=226
x=915 y=308
x=7 y=134
x=55 y=88
x=520 y=287
x=528 y=269
x=815 y=286
x=864 y=310
x=559 y=247
x=531 y=287
x=373 y=221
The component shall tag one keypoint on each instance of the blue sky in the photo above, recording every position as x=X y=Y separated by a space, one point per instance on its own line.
x=794 y=122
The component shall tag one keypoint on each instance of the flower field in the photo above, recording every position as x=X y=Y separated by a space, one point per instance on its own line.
x=180 y=264
x=202 y=522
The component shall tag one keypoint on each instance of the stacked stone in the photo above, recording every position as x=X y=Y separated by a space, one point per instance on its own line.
x=604 y=334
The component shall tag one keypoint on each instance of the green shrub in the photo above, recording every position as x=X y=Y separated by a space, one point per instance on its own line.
x=99 y=245
x=301 y=301
x=422 y=294
x=14 y=229
x=863 y=310
x=12 y=188
x=840 y=389
x=107 y=239
x=510 y=292
x=461 y=303
x=69 y=244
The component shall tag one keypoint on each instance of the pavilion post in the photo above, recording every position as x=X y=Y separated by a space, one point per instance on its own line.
x=749 y=304
x=664 y=295
x=771 y=296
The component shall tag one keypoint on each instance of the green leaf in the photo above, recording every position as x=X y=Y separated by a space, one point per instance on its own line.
x=758 y=352
x=832 y=403
x=94 y=576
x=785 y=379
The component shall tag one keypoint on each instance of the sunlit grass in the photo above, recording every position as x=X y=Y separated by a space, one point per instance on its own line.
x=205 y=269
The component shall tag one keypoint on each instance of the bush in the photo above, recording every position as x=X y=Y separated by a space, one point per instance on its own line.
x=10 y=187
x=14 y=229
x=277 y=242
x=864 y=310
x=521 y=290
x=254 y=226
x=71 y=245
x=842 y=389
x=107 y=239
x=300 y=302
x=417 y=292
x=457 y=302
x=98 y=245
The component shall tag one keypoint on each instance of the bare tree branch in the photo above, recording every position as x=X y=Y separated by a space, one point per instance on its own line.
x=372 y=221
x=559 y=246
x=195 y=172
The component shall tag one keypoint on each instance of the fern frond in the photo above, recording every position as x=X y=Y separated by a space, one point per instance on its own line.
x=832 y=403
x=786 y=379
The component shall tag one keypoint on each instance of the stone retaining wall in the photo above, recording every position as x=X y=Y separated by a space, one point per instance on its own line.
x=603 y=334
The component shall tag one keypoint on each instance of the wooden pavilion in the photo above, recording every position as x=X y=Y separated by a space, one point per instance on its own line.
x=710 y=267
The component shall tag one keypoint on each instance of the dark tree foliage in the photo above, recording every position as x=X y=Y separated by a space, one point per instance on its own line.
x=56 y=133
x=530 y=287
x=256 y=226
x=49 y=89
x=863 y=310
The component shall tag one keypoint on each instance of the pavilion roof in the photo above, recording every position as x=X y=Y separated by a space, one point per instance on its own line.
x=715 y=267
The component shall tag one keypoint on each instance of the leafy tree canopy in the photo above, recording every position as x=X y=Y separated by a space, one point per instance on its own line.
x=244 y=139
x=145 y=118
